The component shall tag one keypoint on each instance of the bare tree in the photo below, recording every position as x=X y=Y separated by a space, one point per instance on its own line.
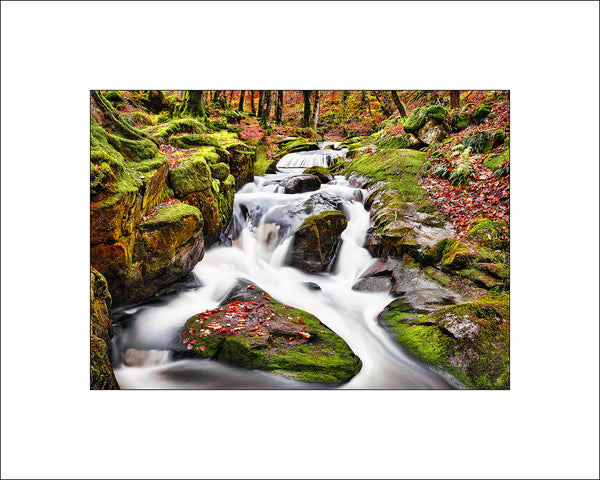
x=261 y=102
x=241 y=104
x=455 y=98
x=252 y=102
x=398 y=103
x=381 y=104
x=268 y=96
x=317 y=104
x=306 y=117
x=279 y=107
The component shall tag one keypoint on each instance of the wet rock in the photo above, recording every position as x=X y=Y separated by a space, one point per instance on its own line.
x=469 y=340
x=321 y=172
x=373 y=284
x=102 y=376
x=312 y=286
x=317 y=240
x=250 y=329
x=300 y=184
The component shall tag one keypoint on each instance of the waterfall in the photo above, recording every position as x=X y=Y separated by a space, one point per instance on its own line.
x=256 y=247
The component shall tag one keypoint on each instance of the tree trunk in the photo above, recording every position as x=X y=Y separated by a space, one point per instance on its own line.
x=398 y=103
x=261 y=102
x=306 y=118
x=230 y=97
x=267 y=109
x=365 y=100
x=317 y=104
x=279 y=108
x=253 y=108
x=455 y=98
x=192 y=104
x=383 y=109
x=215 y=96
x=241 y=104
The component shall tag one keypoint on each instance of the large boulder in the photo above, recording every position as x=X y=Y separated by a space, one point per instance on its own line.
x=300 y=183
x=162 y=249
x=102 y=376
x=469 y=340
x=432 y=131
x=317 y=240
x=251 y=329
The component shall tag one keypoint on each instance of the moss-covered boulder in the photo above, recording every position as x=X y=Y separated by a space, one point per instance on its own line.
x=163 y=248
x=458 y=122
x=469 y=340
x=419 y=116
x=457 y=256
x=250 y=329
x=291 y=145
x=480 y=114
x=494 y=234
x=404 y=140
x=322 y=173
x=496 y=161
x=102 y=376
x=317 y=240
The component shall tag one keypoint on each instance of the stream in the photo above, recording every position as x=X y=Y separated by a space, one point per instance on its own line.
x=255 y=246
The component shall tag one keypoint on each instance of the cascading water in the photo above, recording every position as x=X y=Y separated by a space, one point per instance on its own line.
x=255 y=247
x=298 y=161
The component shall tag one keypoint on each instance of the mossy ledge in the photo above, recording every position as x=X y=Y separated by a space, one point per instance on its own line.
x=253 y=330
x=469 y=340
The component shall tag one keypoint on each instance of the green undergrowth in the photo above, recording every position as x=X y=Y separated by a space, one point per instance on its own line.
x=496 y=161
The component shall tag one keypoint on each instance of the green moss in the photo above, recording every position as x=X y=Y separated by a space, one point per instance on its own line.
x=497 y=160
x=262 y=163
x=480 y=114
x=220 y=171
x=457 y=256
x=182 y=125
x=322 y=173
x=398 y=167
x=492 y=234
x=193 y=176
x=173 y=214
x=326 y=358
x=399 y=141
x=469 y=340
x=425 y=206
x=458 y=122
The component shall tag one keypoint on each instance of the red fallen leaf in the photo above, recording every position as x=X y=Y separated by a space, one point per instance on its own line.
x=224 y=330
x=190 y=346
x=251 y=287
x=290 y=339
x=304 y=334
x=185 y=340
x=191 y=331
x=254 y=329
x=322 y=331
x=202 y=348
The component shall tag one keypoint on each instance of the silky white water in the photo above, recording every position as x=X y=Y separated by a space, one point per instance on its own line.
x=258 y=254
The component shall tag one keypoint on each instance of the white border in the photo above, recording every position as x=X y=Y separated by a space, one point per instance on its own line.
x=546 y=426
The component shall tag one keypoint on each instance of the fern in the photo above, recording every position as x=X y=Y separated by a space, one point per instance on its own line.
x=477 y=142
x=463 y=172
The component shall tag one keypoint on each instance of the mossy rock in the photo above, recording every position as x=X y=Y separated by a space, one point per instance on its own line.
x=102 y=376
x=181 y=125
x=255 y=331
x=406 y=140
x=492 y=234
x=317 y=240
x=470 y=340
x=321 y=172
x=480 y=114
x=458 y=256
x=496 y=161
x=458 y=122
x=193 y=176
x=220 y=171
